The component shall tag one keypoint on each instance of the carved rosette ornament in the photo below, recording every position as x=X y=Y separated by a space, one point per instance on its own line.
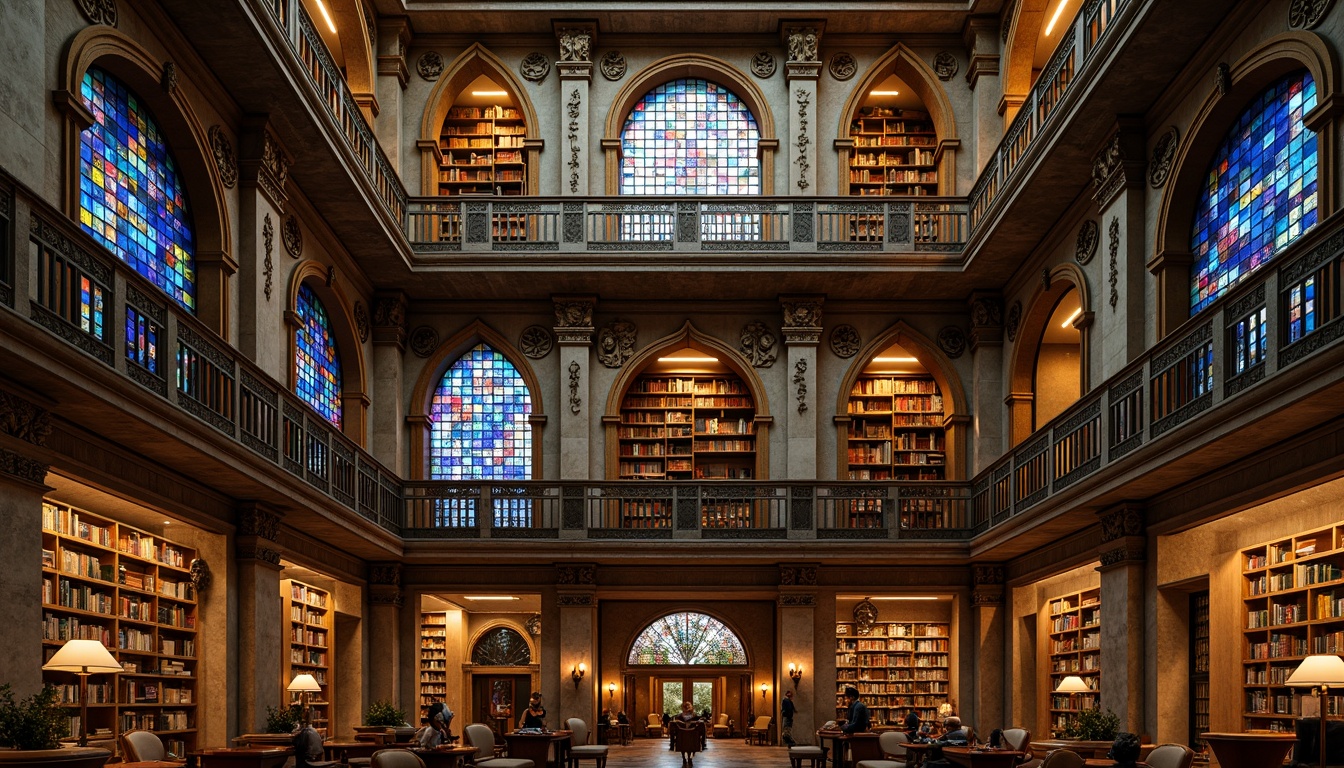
x=225 y=160
x=424 y=340
x=1089 y=236
x=763 y=64
x=759 y=345
x=1305 y=14
x=292 y=236
x=430 y=65
x=613 y=65
x=536 y=341
x=616 y=343
x=99 y=11
x=535 y=67
x=1014 y=319
x=865 y=616
x=952 y=340
x=1164 y=154
x=843 y=66
x=362 y=321
x=533 y=625
x=945 y=65
x=845 y=341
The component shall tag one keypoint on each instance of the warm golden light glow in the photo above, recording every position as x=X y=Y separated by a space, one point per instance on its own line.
x=888 y=597
x=688 y=359
x=895 y=360
x=326 y=16
x=884 y=93
x=489 y=93
x=1054 y=18
x=1069 y=322
x=488 y=597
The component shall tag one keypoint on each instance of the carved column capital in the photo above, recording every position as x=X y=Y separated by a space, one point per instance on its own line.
x=1123 y=537
x=576 y=38
x=389 y=318
x=576 y=574
x=798 y=575
x=802 y=318
x=574 y=319
x=23 y=468
x=986 y=319
x=255 y=519
x=802 y=38
x=988 y=580
x=262 y=161
x=1120 y=162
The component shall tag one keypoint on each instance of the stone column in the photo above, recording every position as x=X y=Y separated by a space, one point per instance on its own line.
x=263 y=168
x=25 y=427
x=989 y=616
x=1119 y=188
x=1122 y=555
x=387 y=423
x=576 y=594
x=801 y=73
x=802 y=332
x=986 y=345
x=575 y=67
x=797 y=609
x=574 y=336
x=385 y=602
x=981 y=35
x=261 y=627
x=390 y=86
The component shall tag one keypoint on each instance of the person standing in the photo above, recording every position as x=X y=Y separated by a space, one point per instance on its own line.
x=786 y=713
x=856 y=712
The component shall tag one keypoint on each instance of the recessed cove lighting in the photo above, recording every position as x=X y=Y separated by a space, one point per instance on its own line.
x=1072 y=317
x=488 y=597
x=489 y=93
x=884 y=93
x=326 y=16
x=1058 y=10
x=888 y=597
x=895 y=360
x=688 y=359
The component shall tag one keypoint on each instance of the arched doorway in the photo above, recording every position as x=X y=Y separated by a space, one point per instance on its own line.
x=1058 y=379
x=1051 y=358
x=690 y=656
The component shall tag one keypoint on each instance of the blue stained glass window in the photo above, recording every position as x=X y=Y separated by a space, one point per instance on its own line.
x=131 y=195
x=1259 y=193
x=690 y=137
x=687 y=639
x=479 y=421
x=317 y=362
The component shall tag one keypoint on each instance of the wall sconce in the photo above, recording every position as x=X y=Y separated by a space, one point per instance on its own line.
x=611 y=694
x=795 y=672
x=764 y=687
x=577 y=673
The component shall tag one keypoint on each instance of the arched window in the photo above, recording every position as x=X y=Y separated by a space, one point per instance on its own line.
x=1260 y=190
x=690 y=137
x=479 y=420
x=687 y=639
x=317 y=362
x=502 y=647
x=131 y=195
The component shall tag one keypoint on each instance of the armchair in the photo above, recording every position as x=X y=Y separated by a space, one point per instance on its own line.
x=723 y=727
x=759 y=731
x=654 y=726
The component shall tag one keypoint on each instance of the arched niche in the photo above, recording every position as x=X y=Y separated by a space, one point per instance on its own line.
x=1021 y=398
x=903 y=63
x=627 y=649
x=1248 y=77
x=474 y=62
x=688 y=338
x=340 y=314
x=688 y=65
x=356 y=35
x=956 y=411
x=438 y=363
x=142 y=71
x=1019 y=55
x=483 y=635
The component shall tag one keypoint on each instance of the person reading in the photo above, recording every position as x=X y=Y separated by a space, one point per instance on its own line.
x=535 y=714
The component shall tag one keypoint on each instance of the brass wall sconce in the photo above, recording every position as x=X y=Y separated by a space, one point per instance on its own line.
x=577 y=673
x=764 y=687
x=796 y=673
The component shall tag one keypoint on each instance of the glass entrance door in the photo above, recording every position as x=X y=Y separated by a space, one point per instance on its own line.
x=701 y=694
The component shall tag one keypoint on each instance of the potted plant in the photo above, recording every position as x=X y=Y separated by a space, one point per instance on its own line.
x=1094 y=725
x=383 y=716
x=280 y=725
x=31 y=730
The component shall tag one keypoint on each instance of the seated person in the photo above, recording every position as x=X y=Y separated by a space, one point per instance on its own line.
x=953 y=732
x=911 y=725
x=535 y=714
x=1125 y=751
x=622 y=718
x=687 y=713
x=953 y=736
x=436 y=732
x=307 y=746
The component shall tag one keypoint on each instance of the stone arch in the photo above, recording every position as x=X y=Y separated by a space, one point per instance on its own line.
x=679 y=66
x=1250 y=75
x=475 y=61
x=956 y=409
x=142 y=71
x=341 y=315
x=437 y=364
x=665 y=610
x=1019 y=55
x=688 y=336
x=903 y=62
x=533 y=649
x=357 y=51
x=1021 y=399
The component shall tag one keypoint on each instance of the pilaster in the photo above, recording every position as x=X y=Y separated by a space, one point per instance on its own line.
x=575 y=68
x=23 y=434
x=797 y=615
x=981 y=36
x=576 y=597
x=987 y=377
x=394 y=34
x=263 y=170
x=802 y=333
x=385 y=604
x=261 y=624
x=574 y=338
x=989 y=616
x=388 y=401
x=801 y=74
x=1122 y=554
x=1119 y=190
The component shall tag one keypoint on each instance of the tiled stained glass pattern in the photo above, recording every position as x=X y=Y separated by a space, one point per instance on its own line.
x=317 y=363
x=690 y=137
x=1260 y=192
x=480 y=428
x=687 y=638
x=131 y=195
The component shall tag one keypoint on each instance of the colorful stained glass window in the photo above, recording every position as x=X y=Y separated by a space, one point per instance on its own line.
x=317 y=363
x=131 y=195
x=687 y=638
x=690 y=137
x=502 y=647
x=479 y=421
x=1260 y=191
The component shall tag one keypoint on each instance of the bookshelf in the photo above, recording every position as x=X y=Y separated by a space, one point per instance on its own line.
x=433 y=659
x=897 y=667
x=131 y=589
x=1199 y=673
x=686 y=427
x=483 y=154
x=893 y=153
x=896 y=428
x=1075 y=649
x=310 y=648
x=1293 y=597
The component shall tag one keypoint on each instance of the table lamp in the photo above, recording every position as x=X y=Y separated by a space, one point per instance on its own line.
x=304 y=684
x=1319 y=672
x=84 y=658
x=1073 y=684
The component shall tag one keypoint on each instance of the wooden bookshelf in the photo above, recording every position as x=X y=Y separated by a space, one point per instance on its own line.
x=483 y=154
x=1293 y=596
x=1075 y=649
x=897 y=667
x=131 y=589
x=1199 y=674
x=433 y=659
x=893 y=153
x=896 y=428
x=685 y=427
x=310 y=647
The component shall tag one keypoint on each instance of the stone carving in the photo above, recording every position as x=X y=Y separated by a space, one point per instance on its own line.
x=1106 y=162
x=803 y=44
x=200 y=575
x=255 y=521
x=986 y=312
x=987 y=597
x=576 y=574
x=390 y=313
x=430 y=65
x=99 y=11
x=424 y=340
x=804 y=141
x=1164 y=154
x=616 y=343
x=1121 y=555
x=536 y=341
x=573 y=600
x=573 y=314
x=802 y=600
x=988 y=573
x=1222 y=79
x=575 y=44
x=945 y=65
x=385 y=574
x=533 y=625
x=865 y=616
x=168 y=78
x=843 y=66
x=613 y=65
x=797 y=576
x=759 y=345
x=22 y=467
x=331 y=276
x=1305 y=14
x=225 y=160
x=800 y=381
x=268 y=264
x=274 y=170
x=802 y=314
x=952 y=340
x=1014 y=319
x=1113 y=231
x=1121 y=522
x=845 y=340
x=362 y=321
x=1089 y=236
x=22 y=420
x=572 y=108
x=763 y=64
x=292 y=236
x=535 y=67
x=575 y=403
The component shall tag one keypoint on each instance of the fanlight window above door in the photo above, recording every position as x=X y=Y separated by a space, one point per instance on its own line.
x=687 y=639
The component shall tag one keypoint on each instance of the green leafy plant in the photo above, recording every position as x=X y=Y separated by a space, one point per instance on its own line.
x=283 y=719
x=1094 y=725
x=36 y=722
x=383 y=713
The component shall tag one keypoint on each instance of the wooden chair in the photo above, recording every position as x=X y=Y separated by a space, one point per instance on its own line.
x=654 y=726
x=396 y=758
x=1171 y=756
x=892 y=744
x=142 y=746
x=1062 y=758
x=1020 y=740
x=482 y=737
x=580 y=749
x=723 y=727
x=759 y=731
x=687 y=738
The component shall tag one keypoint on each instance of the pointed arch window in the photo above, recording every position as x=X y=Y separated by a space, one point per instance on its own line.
x=131 y=193
x=1260 y=190
x=502 y=647
x=687 y=639
x=479 y=420
x=690 y=137
x=317 y=362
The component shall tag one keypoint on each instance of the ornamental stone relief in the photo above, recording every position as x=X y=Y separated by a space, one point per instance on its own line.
x=535 y=67
x=536 y=341
x=292 y=236
x=430 y=65
x=945 y=65
x=1164 y=154
x=759 y=345
x=99 y=11
x=1114 y=232
x=803 y=44
x=843 y=66
x=986 y=313
x=390 y=313
x=800 y=381
x=225 y=160
x=268 y=240
x=575 y=44
x=616 y=343
x=573 y=314
x=804 y=141
x=952 y=340
x=362 y=321
x=575 y=403
x=23 y=420
x=1014 y=319
x=613 y=65
x=424 y=340
x=1305 y=14
x=763 y=64
x=845 y=341
x=1089 y=235
x=168 y=78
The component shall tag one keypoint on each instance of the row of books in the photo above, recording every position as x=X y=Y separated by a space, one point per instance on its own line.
x=489 y=113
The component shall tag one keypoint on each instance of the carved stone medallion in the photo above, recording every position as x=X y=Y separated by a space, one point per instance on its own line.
x=424 y=340
x=616 y=343
x=843 y=66
x=200 y=575
x=362 y=321
x=292 y=236
x=535 y=67
x=952 y=340
x=945 y=65
x=99 y=11
x=1305 y=14
x=845 y=340
x=1014 y=319
x=613 y=65
x=533 y=625
x=536 y=341
x=759 y=345
x=430 y=65
x=763 y=64
x=1089 y=235
x=865 y=616
x=225 y=160
x=1164 y=153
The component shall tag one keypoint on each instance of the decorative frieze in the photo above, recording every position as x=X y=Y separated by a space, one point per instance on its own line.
x=798 y=575
x=23 y=468
x=616 y=343
x=797 y=600
x=582 y=574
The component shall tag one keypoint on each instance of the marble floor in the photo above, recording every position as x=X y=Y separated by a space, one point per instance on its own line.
x=719 y=753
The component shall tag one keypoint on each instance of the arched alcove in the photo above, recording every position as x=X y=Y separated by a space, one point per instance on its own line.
x=1064 y=279
x=722 y=683
x=355 y=41
x=340 y=314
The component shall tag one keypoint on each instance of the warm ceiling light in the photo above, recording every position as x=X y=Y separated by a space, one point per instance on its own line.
x=688 y=359
x=891 y=597
x=1072 y=317
x=1058 y=10
x=488 y=597
x=489 y=93
x=326 y=16
x=895 y=360
x=884 y=93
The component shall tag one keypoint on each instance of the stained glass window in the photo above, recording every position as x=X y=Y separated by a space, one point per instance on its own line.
x=687 y=638
x=131 y=195
x=1260 y=191
x=317 y=363
x=502 y=647
x=690 y=137
x=479 y=421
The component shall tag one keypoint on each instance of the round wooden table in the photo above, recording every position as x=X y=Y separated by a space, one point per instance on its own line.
x=1250 y=750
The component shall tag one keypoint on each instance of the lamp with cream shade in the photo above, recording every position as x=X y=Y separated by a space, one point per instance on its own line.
x=1322 y=672
x=1072 y=685
x=304 y=684
x=84 y=658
